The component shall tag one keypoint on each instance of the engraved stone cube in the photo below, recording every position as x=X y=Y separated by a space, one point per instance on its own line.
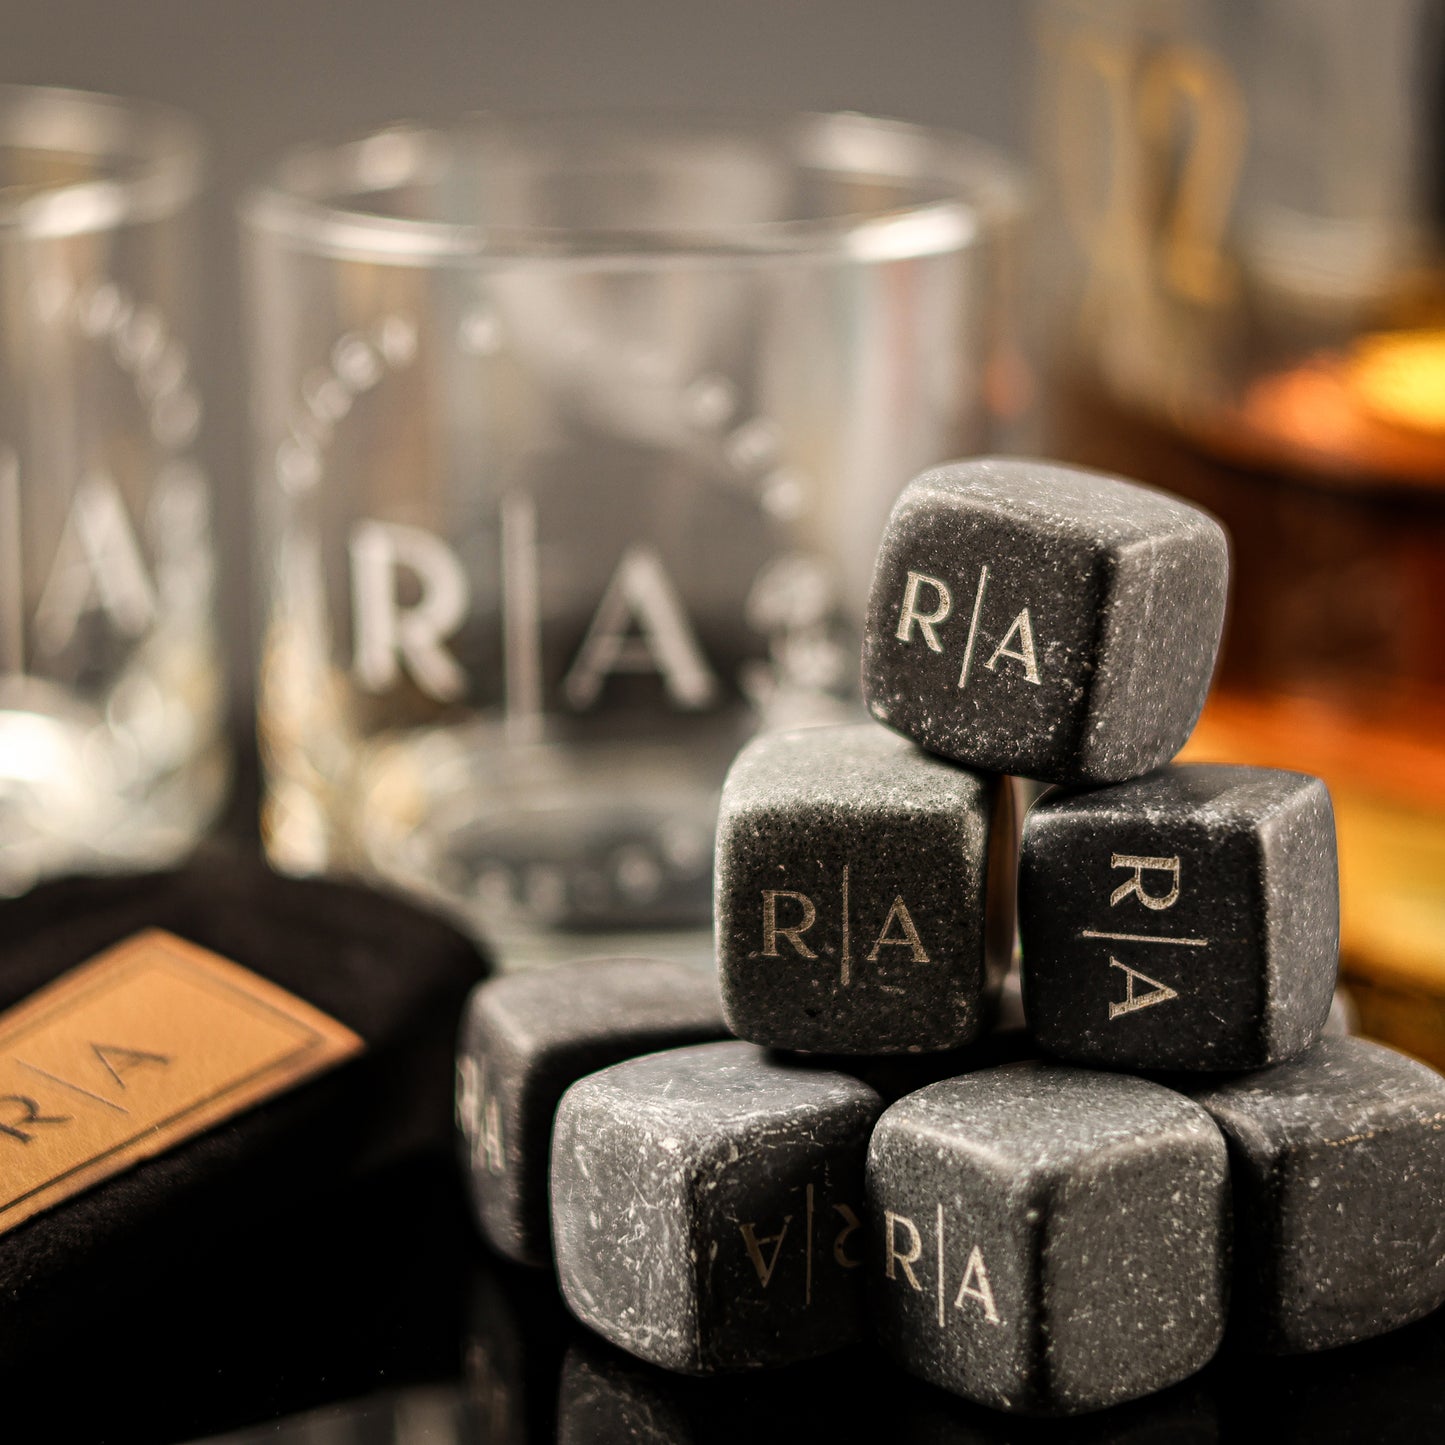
x=1050 y=1240
x=1042 y=620
x=1338 y=1163
x=524 y=1039
x=1186 y=920
x=706 y=1206
x=860 y=905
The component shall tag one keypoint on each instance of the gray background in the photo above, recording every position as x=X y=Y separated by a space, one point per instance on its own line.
x=260 y=75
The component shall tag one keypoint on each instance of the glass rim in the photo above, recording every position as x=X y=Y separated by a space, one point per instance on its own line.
x=979 y=190
x=153 y=152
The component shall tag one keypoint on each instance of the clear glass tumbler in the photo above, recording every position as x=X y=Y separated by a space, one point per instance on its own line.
x=111 y=741
x=576 y=436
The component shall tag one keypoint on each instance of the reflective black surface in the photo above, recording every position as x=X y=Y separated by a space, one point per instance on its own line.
x=379 y=1318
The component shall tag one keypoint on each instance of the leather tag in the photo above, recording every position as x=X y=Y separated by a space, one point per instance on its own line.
x=148 y=1044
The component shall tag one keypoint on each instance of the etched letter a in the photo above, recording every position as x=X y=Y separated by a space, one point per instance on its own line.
x=118 y=1061
x=975 y=1286
x=641 y=594
x=765 y=1267
x=1133 y=1002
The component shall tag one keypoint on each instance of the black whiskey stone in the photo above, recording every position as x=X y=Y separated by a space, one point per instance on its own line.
x=1049 y=1240
x=1188 y=920
x=1338 y=1163
x=527 y=1037
x=707 y=1207
x=860 y=907
x=1042 y=620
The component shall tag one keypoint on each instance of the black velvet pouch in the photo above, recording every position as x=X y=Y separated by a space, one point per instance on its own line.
x=392 y=973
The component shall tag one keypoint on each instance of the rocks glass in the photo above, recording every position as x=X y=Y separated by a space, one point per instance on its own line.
x=576 y=436
x=111 y=749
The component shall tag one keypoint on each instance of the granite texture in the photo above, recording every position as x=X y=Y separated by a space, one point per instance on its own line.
x=1338 y=1168
x=707 y=1207
x=864 y=893
x=1185 y=921
x=1049 y=1240
x=1043 y=620
x=525 y=1039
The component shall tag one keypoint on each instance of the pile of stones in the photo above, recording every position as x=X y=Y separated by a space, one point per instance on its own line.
x=1047 y=1219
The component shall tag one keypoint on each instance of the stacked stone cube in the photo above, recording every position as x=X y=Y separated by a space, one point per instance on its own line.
x=1049 y=1219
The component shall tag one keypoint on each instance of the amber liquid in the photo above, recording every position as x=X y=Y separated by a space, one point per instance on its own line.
x=1334 y=653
